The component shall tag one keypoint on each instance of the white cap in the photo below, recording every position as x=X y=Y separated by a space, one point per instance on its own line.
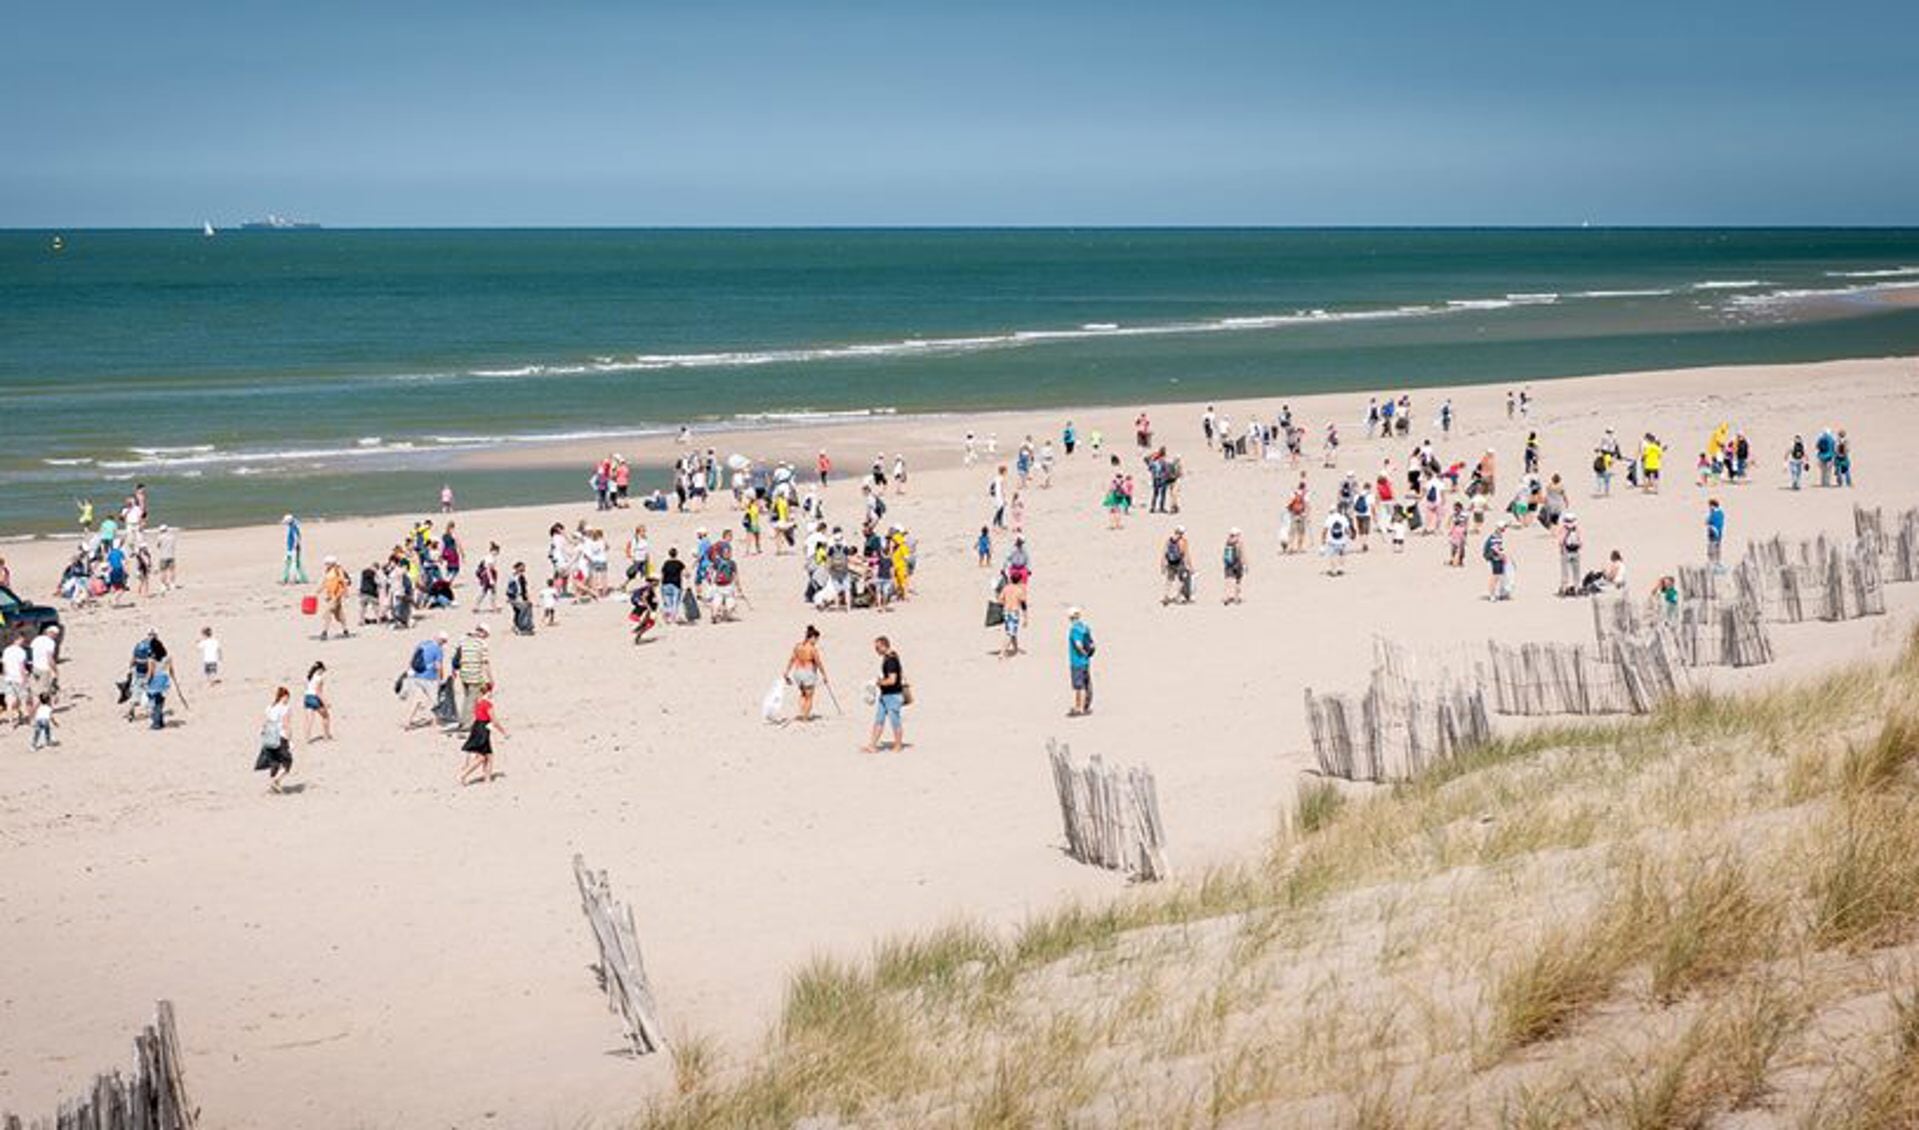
x=1073 y=612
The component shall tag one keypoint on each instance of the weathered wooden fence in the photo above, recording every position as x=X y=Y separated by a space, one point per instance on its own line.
x=1816 y=579
x=1397 y=729
x=1723 y=634
x=153 y=1098
x=621 y=971
x=1111 y=816
x=1895 y=542
x=1621 y=676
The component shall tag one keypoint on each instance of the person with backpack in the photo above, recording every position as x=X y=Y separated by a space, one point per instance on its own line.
x=519 y=597
x=426 y=670
x=1293 y=525
x=1570 y=577
x=474 y=664
x=1233 y=557
x=1335 y=539
x=1500 y=587
x=1079 y=663
x=1178 y=567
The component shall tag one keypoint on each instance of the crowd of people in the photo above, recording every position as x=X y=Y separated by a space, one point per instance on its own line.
x=868 y=560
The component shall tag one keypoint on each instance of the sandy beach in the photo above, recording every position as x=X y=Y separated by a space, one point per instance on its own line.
x=387 y=949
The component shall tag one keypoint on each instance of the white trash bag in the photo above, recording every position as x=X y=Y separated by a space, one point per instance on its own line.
x=773 y=706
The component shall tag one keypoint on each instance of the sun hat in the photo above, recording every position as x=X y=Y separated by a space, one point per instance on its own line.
x=1072 y=613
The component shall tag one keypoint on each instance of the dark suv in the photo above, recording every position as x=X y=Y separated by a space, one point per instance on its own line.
x=17 y=615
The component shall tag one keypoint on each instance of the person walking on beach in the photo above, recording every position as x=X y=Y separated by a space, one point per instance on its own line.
x=160 y=682
x=426 y=672
x=1715 y=534
x=1178 y=568
x=315 y=704
x=1842 y=459
x=1500 y=586
x=891 y=701
x=43 y=724
x=276 y=744
x=478 y=746
x=1570 y=539
x=475 y=666
x=293 y=570
x=13 y=677
x=824 y=467
x=43 y=656
x=1234 y=560
x=1335 y=539
x=1012 y=599
x=1079 y=663
x=334 y=584
x=806 y=670
x=1796 y=461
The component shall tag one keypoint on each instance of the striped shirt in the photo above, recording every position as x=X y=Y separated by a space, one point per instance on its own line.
x=475 y=666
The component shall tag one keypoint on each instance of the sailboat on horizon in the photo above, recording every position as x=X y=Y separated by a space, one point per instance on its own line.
x=206 y=229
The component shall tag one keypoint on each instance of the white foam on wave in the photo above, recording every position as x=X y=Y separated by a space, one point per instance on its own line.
x=1649 y=293
x=1815 y=294
x=1542 y=299
x=1882 y=273
x=79 y=462
x=973 y=343
x=1730 y=284
x=162 y=452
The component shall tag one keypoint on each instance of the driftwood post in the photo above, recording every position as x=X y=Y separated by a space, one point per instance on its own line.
x=621 y=971
x=154 y=1098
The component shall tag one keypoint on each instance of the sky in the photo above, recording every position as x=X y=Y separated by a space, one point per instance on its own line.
x=1182 y=112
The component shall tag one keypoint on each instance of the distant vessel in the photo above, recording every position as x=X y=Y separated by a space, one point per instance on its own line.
x=206 y=229
x=59 y=244
x=278 y=223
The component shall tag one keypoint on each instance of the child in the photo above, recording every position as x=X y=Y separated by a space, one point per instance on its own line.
x=984 y=546
x=549 y=604
x=209 y=655
x=479 y=739
x=43 y=723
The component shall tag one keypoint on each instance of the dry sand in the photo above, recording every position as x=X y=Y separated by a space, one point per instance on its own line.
x=385 y=949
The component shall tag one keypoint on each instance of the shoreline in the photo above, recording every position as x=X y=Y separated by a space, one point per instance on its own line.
x=652 y=450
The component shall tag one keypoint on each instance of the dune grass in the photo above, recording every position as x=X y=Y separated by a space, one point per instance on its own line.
x=1633 y=923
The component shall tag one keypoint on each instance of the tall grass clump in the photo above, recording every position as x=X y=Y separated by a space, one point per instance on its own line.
x=1865 y=873
x=1317 y=804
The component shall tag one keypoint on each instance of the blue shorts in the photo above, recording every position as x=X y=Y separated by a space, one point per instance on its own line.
x=1082 y=678
x=889 y=710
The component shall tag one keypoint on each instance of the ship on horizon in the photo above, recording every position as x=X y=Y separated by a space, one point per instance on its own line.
x=275 y=222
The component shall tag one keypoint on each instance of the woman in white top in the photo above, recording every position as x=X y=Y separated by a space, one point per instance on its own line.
x=316 y=704
x=276 y=748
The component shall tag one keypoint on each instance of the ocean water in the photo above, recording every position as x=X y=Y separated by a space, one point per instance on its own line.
x=335 y=371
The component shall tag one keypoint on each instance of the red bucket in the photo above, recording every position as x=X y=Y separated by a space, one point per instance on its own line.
x=309 y=605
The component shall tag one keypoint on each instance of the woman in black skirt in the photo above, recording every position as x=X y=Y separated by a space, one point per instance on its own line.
x=479 y=740
x=276 y=748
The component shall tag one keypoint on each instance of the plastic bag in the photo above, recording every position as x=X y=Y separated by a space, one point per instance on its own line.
x=773 y=706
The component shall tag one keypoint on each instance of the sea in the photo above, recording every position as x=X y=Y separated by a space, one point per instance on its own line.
x=335 y=372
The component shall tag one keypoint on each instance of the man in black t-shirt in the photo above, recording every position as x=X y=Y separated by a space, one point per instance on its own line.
x=892 y=698
x=672 y=582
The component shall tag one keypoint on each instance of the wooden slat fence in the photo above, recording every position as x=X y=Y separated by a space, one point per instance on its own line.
x=154 y=1097
x=1397 y=729
x=1111 y=816
x=621 y=971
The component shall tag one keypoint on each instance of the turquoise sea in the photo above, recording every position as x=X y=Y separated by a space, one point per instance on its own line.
x=334 y=371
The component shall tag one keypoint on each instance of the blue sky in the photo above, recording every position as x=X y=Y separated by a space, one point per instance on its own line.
x=717 y=112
